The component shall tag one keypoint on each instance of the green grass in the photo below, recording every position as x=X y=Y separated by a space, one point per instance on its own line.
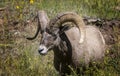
x=22 y=58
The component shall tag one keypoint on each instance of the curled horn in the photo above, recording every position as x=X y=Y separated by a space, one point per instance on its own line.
x=70 y=17
x=43 y=21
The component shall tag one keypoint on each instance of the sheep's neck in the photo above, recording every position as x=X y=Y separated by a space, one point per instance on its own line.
x=64 y=50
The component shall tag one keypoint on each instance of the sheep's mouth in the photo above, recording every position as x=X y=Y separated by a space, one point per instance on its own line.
x=43 y=54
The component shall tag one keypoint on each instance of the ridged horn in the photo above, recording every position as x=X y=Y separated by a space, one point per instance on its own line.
x=43 y=21
x=70 y=17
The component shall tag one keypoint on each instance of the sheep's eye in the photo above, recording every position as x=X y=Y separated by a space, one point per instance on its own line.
x=48 y=31
x=51 y=33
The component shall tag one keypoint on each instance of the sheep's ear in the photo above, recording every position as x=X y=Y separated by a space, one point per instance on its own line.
x=43 y=20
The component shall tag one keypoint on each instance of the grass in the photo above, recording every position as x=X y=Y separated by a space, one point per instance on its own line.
x=19 y=57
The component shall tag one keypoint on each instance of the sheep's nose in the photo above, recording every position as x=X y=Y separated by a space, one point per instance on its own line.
x=40 y=50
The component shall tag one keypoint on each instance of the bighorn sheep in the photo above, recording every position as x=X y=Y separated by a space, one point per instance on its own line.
x=64 y=41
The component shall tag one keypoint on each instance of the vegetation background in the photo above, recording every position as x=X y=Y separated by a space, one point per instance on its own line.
x=19 y=57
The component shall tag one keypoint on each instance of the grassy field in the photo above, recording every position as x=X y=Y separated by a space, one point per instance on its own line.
x=19 y=57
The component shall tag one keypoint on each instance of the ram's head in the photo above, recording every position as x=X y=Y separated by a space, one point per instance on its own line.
x=52 y=29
